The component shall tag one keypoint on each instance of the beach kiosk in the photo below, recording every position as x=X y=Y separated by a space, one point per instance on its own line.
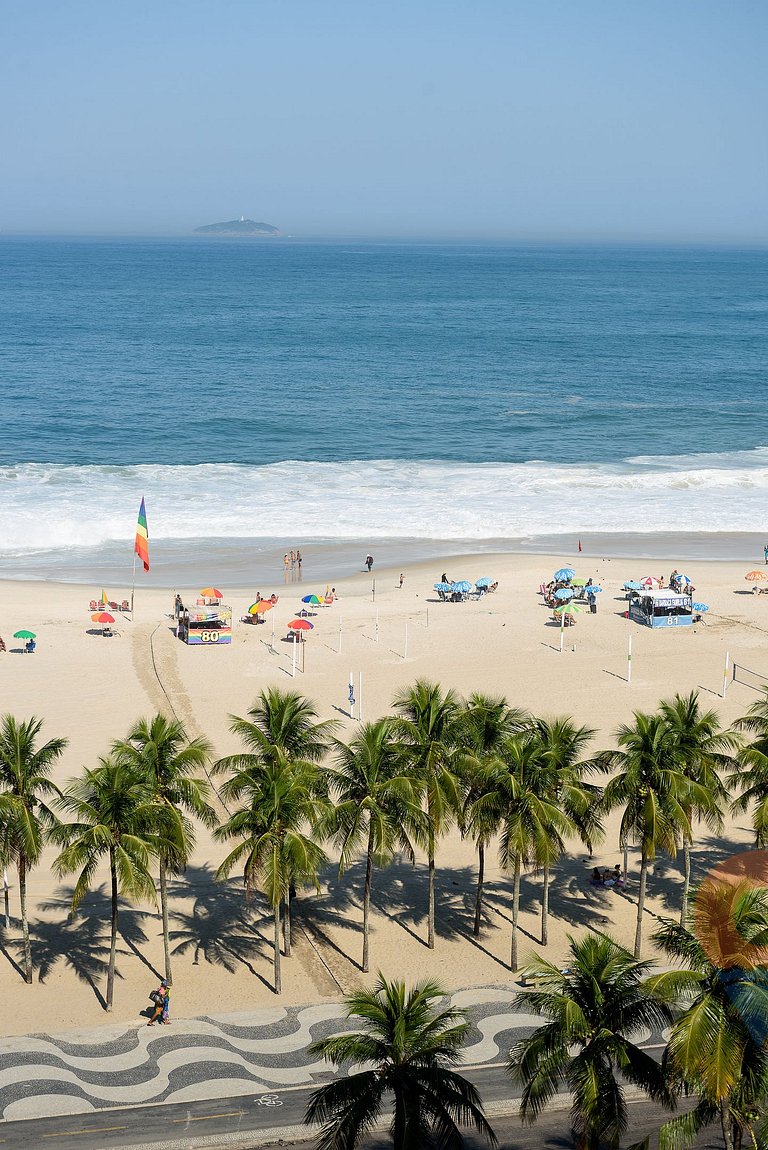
x=205 y=625
x=661 y=609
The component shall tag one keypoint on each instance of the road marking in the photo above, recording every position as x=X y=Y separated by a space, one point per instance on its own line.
x=88 y=1130
x=207 y=1117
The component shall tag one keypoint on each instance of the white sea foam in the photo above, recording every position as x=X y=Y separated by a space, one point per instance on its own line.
x=47 y=506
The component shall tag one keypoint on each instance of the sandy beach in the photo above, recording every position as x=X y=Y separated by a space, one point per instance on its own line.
x=90 y=689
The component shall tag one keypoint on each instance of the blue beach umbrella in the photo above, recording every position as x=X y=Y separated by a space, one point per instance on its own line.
x=592 y=590
x=564 y=593
x=683 y=579
x=463 y=586
x=702 y=607
x=564 y=574
x=484 y=582
x=633 y=585
x=442 y=586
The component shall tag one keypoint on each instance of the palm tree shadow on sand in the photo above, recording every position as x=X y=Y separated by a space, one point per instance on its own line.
x=222 y=927
x=82 y=941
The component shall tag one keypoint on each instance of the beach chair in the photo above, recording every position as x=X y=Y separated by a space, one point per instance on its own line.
x=125 y=605
x=94 y=605
x=113 y=606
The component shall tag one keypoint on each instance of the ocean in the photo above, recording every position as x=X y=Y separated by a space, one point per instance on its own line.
x=406 y=397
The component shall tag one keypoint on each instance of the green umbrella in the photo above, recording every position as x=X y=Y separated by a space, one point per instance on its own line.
x=578 y=582
x=25 y=635
x=570 y=608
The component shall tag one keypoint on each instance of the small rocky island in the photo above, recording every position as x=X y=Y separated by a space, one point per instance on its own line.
x=241 y=227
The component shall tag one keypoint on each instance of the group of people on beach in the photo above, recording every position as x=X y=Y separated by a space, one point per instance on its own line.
x=292 y=561
x=607 y=878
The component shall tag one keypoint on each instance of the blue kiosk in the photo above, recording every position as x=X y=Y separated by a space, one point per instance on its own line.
x=661 y=609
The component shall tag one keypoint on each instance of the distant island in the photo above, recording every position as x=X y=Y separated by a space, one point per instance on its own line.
x=241 y=227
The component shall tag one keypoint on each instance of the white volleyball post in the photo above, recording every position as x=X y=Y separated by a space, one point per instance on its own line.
x=405 y=646
x=377 y=624
x=360 y=696
x=373 y=591
x=339 y=634
x=562 y=630
x=351 y=694
x=725 y=673
x=273 y=632
x=293 y=667
x=629 y=659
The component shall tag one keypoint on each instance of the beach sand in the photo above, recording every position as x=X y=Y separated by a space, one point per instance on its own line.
x=90 y=689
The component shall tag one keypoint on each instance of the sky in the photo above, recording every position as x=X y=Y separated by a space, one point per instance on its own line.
x=541 y=120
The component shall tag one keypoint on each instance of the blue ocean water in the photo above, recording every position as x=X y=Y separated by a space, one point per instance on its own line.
x=356 y=390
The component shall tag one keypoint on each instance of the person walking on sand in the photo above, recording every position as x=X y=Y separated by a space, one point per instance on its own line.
x=402 y=580
x=765 y=552
x=286 y=562
x=369 y=562
x=161 y=998
x=298 y=560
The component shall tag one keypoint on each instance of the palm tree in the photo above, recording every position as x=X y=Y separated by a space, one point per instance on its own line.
x=654 y=792
x=376 y=804
x=159 y=753
x=281 y=727
x=561 y=781
x=593 y=1010
x=280 y=802
x=25 y=817
x=409 y=1047
x=700 y=751
x=752 y=776
x=485 y=725
x=113 y=814
x=427 y=726
x=717 y=1048
x=532 y=824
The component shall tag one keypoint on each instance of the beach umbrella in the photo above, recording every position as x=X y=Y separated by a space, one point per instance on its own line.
x=103 y=617
x=564 y=593
x=702 y=607
x=301 y=625
x=104 y=598
x=462 y=586
x=24 y=635
x=313 y=600
x=569 y=609
x=593 y=589
x=260 y=607
x=484 y=582
x=650 y=581
x=683 y=579
x=755 y=576
x=442 y=586
x=564 y=575
x=579 y=582
x=633 y=585
x=211 y=593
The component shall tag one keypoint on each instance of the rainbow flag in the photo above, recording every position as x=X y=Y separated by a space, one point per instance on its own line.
x=141 y=546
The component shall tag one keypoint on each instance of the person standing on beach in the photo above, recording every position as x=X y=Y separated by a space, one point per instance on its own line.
x=369 y=562
x=298 y=560
x=765 y=552
x=402 y=580
x=286 y=562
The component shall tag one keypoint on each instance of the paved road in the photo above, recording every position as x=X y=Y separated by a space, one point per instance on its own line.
x=245 y=1121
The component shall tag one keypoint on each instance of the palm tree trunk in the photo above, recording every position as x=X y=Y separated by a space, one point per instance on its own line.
x=22 y=869
x=367 y=897
x=287 y=924
x=278 y=974
x=686 y=880
x=431 y=909
x=641 y=903
x=164 y=910
x=726 y=1125
x=515 y=912
x=545 y=907
x=479 y=895
x=113 y=935
x=400 y=1123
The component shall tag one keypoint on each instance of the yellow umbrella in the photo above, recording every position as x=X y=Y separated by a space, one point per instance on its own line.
x=260 y=607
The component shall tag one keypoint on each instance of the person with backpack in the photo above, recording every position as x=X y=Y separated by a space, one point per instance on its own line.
x=161 y=998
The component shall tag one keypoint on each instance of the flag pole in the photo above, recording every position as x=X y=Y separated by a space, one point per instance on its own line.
x=133 y=584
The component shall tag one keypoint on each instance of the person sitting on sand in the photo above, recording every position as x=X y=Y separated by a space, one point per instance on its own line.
x=617 y=876
x=597 y=878
x=608 y=878
x=2 y=644
x=273 y=598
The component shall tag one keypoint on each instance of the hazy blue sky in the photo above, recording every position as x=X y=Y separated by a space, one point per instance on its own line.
x=541 y=119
